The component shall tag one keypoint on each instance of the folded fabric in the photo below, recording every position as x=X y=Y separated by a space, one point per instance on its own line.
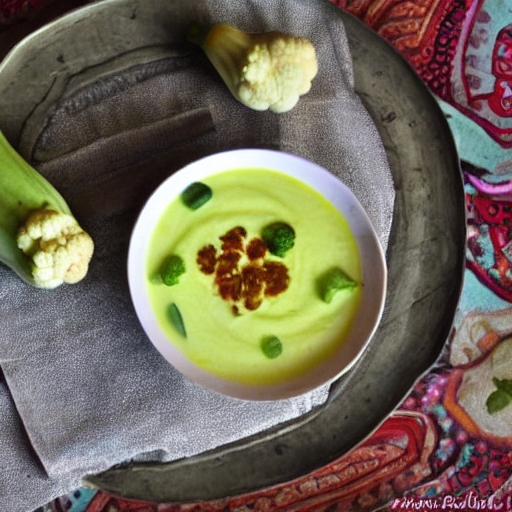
x=24 y=484
x=89 y=388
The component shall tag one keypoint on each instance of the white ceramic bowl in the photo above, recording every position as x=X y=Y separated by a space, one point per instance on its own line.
x=373 y=266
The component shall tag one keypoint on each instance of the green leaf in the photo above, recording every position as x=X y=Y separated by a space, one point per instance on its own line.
x=497 y=401
x=271 y=346
x=176 y=319
x=504 y=385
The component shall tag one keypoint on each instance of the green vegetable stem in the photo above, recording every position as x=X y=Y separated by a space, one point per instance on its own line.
x=40 y=239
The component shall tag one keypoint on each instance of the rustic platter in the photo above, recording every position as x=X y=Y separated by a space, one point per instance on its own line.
x=425 y=254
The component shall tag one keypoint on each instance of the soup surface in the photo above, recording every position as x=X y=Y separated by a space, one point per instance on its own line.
x=246 y=314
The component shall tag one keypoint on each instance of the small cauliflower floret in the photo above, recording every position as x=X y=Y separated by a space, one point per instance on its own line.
x=264 y=71
x=59 y=249
x=277 y=73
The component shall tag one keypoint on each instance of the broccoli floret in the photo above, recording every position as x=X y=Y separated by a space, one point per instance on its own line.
x=171 y=270
x=334 y=281
x=279 y=238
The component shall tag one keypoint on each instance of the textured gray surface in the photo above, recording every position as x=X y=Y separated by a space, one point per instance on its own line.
x=24 y=484
x=121 y=108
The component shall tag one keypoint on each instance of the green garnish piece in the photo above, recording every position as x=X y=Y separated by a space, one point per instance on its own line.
x=500 y=398
x=271 y=346
x=334 y=281
x=176 y=319
x=504 y=385
x=171 y=270
x=497 y=400
x=196 y=194
x=279 y=237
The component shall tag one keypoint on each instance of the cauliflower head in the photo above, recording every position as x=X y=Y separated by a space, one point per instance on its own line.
x=58 y=248
x=277 y=72
x=267 y=70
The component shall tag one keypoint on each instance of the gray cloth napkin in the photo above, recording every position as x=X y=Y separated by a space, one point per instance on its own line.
x=24 y=483
x=87 y=386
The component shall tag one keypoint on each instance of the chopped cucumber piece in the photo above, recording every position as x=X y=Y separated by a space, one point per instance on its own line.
x=196 y=194
x=500 y=398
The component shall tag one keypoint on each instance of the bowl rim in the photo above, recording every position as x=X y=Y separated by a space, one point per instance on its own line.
x=373 y=267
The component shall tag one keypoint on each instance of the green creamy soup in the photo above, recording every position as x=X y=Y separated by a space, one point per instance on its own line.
x=254 y=339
